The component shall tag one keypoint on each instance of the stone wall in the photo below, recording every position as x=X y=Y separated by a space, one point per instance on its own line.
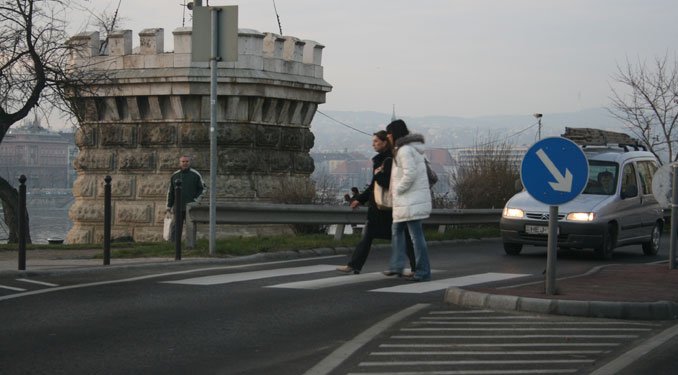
x=152 y=107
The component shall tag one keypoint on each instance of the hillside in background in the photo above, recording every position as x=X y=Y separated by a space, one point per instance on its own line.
x=451 y=132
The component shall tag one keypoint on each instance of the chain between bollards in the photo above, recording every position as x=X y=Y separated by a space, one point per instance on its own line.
x=22 y=223
x=178 y=219
x=107 y=220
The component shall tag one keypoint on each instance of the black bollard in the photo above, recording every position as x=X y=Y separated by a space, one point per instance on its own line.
x=178 y=219
x=22 y=223
x=107 y=220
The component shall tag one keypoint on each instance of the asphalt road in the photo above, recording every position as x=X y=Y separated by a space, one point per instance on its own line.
x=281 y=317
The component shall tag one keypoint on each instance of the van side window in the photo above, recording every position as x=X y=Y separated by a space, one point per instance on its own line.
x=646 y=170
x=629 y=185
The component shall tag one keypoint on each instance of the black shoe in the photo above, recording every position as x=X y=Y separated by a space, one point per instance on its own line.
x=392 y=273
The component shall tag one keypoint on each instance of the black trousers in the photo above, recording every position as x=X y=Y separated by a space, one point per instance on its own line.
x=173 y=232
x=362 y=249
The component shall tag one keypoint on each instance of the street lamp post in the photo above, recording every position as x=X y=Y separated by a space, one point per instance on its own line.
x=538 y=116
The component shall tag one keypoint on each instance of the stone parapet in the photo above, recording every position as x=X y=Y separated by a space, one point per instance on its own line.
x=154 y=106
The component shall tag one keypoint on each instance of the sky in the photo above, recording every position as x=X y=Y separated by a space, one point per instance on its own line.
x=466 y=58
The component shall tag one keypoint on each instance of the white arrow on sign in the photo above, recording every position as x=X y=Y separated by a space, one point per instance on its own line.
x=564 y=183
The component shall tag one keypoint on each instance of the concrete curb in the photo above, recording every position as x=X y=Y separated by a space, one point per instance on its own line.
x=660 y=310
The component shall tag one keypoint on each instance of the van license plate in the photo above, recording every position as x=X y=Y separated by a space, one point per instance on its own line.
x=537 y=229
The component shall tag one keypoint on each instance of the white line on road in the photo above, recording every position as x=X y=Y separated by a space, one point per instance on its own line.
x=253 y=275
x=430 y=286
x=502 y=345
x=410 y=337
x=12 y=288
x=331 y=281
x=37 y=282
x=333 y=360
x=472 y=372
x=464 y=320
x=154 y=276
x=475 y=362
x=476 y=352
x=437 y=329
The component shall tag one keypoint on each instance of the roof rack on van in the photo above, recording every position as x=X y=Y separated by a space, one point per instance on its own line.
x=598 y=137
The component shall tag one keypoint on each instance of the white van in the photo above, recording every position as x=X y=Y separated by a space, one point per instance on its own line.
x=616 y=208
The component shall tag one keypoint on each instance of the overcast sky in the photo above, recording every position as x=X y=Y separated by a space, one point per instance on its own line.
x=454 y=57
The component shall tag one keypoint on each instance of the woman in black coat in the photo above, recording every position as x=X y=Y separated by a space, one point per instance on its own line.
x=379 y=222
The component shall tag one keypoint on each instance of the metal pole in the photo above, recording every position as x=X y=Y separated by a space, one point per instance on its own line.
x=107 y=220
x=213 y=128
x=178 y=219
x=674 y=219
x=22 y=223
x=551 y=251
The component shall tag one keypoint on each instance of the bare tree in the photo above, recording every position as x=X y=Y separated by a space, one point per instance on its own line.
x=486 y=177
x=33 y=75
x=648 y=103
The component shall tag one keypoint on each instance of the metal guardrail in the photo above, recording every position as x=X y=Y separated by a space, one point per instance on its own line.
x=270 y=213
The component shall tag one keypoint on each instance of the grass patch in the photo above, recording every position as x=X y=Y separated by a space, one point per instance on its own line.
x=236 y=246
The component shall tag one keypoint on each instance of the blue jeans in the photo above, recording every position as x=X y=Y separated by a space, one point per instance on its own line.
x=423 y=271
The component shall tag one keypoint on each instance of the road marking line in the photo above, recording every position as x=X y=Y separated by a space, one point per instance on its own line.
x=154 y=276
x=537 y=344
x=464 y=320
x=526 y=329
x=448 y=312
x=331 y=281
x=253 y=275
x=475 y=362
x=618 y=364
x=12 y=288
x=409 y=337
x=338 y=356
x=476 y=352
x=472 y=372
x=430 y=286
x=37 y=282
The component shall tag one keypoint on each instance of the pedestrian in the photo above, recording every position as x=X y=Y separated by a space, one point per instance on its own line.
x=411 y=200
x=192 y=187
x=379 y=221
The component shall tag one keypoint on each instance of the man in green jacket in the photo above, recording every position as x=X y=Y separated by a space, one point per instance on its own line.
x=192 y=187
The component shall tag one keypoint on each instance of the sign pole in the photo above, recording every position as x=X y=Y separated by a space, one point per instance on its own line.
x=674 y=219
x=552 y=251
x=214 y=59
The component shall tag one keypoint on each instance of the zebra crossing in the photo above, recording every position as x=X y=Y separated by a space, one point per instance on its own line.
x=487 y=342
x=322 y=280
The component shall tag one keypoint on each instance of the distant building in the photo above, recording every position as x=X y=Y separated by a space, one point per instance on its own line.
x=43 y=156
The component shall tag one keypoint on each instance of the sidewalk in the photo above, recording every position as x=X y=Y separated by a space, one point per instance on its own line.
x=628 y=291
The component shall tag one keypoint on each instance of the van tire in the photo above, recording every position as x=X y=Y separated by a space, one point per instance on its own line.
x=512 y=248
x=605 y=250
x=652 y=246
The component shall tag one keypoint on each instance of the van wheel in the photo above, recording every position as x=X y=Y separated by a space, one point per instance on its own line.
x=512 y=248
x=652 y=247
x=605 y=250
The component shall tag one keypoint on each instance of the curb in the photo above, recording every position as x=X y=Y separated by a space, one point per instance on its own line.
x=660 y=310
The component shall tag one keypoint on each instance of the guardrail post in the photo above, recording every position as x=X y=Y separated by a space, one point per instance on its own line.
x=178 y=219
x=22 y=223
x=339 y=232
x=107 y=220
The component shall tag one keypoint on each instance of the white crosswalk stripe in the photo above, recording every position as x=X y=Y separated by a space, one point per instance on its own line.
x=12 y=288
x=36 y=282
x=430 y=286
x=253 y=275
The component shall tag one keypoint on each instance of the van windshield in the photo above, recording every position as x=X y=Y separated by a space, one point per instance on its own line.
x=602 y=178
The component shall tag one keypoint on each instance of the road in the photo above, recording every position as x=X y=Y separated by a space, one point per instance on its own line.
x=299 y=316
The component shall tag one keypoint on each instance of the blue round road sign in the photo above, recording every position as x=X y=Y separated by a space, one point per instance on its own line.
x=554 y=170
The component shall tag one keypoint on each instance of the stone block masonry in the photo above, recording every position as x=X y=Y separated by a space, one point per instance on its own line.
x=149 y=107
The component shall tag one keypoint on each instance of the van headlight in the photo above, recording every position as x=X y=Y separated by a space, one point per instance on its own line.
x=513 y=213
x=581 y=216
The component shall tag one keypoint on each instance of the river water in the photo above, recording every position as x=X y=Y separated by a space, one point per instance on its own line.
x=44 y=224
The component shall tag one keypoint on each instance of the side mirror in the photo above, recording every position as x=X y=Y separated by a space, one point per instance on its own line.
x=630 y=192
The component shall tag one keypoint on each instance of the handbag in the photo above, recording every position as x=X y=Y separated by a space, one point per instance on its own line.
x=382 y=197
x=430 y=173
x=167 y=227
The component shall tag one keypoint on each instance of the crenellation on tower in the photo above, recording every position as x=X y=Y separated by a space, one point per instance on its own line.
x=156 y=107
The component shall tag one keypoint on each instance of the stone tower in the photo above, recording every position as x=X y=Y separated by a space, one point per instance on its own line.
x=154 y=107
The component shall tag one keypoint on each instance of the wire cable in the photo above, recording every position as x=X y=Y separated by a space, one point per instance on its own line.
x=341 y=123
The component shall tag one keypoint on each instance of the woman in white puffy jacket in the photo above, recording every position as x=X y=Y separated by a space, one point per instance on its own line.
x=411 y=200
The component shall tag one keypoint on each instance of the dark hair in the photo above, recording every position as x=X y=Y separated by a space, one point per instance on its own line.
x=381 y=134
x=398 y=129
x=355 y=190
